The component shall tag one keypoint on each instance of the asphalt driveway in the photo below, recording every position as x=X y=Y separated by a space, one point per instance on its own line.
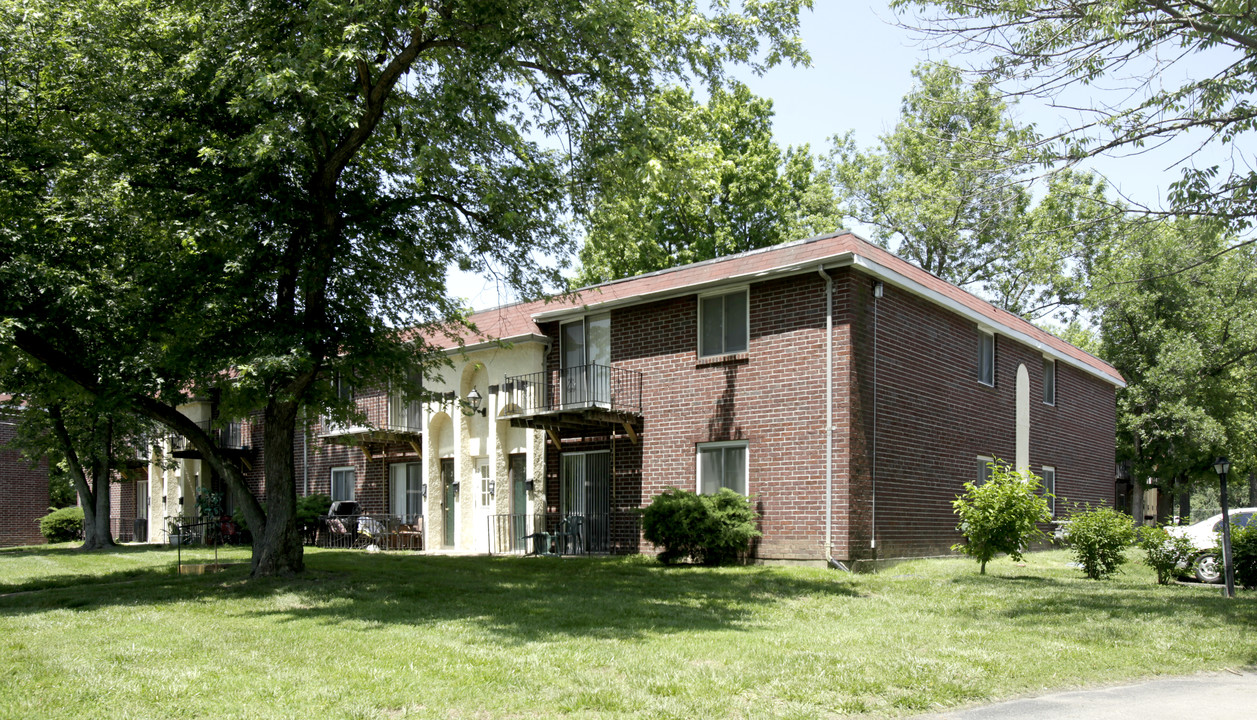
x=1230 y=695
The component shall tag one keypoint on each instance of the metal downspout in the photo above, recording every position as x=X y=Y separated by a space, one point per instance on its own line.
x=829 y=418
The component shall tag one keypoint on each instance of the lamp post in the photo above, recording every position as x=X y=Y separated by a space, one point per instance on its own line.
x=1222 y=466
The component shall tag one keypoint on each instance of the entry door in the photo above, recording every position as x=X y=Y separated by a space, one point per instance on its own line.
x=519 y=523
x=448 y=506
x=585 y=492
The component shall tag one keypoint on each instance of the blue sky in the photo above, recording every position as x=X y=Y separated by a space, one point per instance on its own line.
x=861 y=68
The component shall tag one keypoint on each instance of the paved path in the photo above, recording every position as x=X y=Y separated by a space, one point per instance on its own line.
x=1232 y=696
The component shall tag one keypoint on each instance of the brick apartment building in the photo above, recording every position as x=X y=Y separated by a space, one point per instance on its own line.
x=848 y=392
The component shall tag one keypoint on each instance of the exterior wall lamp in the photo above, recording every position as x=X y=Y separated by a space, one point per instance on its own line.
x=530 y=484
x=423 y=491
x=473 y=399
x=1222 y=466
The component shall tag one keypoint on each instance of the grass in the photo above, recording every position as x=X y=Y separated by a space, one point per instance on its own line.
x=119 y=635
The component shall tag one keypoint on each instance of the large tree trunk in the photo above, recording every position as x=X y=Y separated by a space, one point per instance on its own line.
x=93 y=497
x=1184 y=503
x=97 y=535
x=277 y=549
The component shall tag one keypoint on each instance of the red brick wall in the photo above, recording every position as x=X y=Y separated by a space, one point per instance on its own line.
x=25 y=492
x=934 y=418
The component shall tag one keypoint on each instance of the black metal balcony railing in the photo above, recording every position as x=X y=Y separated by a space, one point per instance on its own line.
x=559 y=533
x=227 y=436
x=575 y=388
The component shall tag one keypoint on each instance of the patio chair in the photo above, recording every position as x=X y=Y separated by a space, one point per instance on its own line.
x=371 y=533
x=570 y=539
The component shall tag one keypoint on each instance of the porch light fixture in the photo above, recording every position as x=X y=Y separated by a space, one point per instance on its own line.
x=530 y=484
x=455 y=485
x=878 y=289
x=423 y=491
x=1222 y=466
x=473 y=399
x=493 y=488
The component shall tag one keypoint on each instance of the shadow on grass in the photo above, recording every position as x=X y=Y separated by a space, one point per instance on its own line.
x=1073 y=603
x=517 y=599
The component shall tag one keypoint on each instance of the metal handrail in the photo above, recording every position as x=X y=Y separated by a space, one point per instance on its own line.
x=577 y=387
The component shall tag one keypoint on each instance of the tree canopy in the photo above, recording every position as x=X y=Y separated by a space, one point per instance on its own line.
x=948 y=189
x=698 y=180
x=1179 y=67
x=258 y=197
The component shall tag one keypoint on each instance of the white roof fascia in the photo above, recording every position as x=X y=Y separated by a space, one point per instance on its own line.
x=498 y=344
x=833 y=261
x=885 y=274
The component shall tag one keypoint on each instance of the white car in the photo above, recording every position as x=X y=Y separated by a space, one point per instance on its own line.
x=1206 y=563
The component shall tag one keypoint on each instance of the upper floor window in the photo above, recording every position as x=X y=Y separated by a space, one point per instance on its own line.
x=722 y=464
x=723 y=324
x=986 y=358
x=1049 y=381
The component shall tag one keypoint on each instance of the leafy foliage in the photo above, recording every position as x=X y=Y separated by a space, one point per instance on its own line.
x=1001 y=515
x=692 y=181
x=711 y=529
x=62 y=525
x=1099 y=538
x=948 y=190
x=1164 y=551
x=1060 y=50
x=1244 y=555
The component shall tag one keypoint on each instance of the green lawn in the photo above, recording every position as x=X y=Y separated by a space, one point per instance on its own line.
x=118 y=635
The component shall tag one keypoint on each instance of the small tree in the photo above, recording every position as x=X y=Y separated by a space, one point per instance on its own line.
x=1099 y=537
x=1001 y=515
x=1164 y=551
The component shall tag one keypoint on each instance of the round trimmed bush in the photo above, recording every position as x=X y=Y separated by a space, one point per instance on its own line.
x=710 y=529
x=1099 y=538
x=62 y=525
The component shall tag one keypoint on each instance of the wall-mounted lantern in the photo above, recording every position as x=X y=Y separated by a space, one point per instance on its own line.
x=473 y=400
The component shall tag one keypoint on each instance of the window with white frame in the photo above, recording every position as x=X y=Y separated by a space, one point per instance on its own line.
x=406 y=490
x=986 y=358
x=342 y=483
x=1049 y=381
x=1049 y=488
x=486 y=486
x=984 y=470
x=723 y=324
x=722 y=464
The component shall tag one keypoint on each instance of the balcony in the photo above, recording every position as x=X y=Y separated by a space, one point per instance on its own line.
x=387 y=418
x=580 y=398
x=231 y=437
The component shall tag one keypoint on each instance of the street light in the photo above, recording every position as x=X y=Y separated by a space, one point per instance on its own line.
x=1222 y=466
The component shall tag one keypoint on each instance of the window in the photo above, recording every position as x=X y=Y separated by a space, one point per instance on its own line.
x=486 y=484
x=723 y=324
x=986 y=358
x=984 y=470
x=722 y=464
x=1049 y=381
x=342 y=484
x=342 y=388
x=1049 y=488
x=406 y=491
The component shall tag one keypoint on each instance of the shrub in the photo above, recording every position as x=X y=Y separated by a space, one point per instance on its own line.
x=312 y=507
x=62 y=525
x=1244 y=555
x=1099 y=537
x=710 y=529
x=1164 y=551
x=1001 y=515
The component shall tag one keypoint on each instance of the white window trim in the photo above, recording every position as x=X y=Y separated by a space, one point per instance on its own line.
x=983 y=332
x=1051 y=500
x=721 y=293
x=698 y=463
x=331 y=481
x=1052 y=362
